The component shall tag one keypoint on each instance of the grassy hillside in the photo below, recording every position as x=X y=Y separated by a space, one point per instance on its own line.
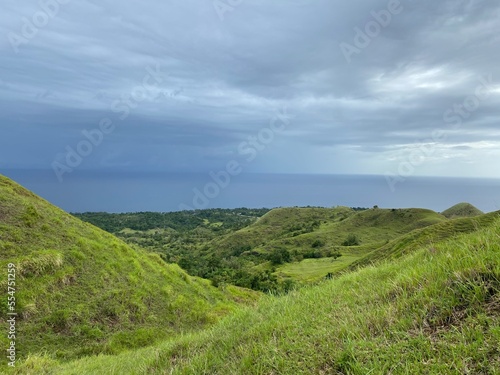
x=359 y=256
x=462 y=210
x=370 y=227
x=280 y=223
x=425 y=237
x=434 y=311
x=296 y=245
x=81 y=291
x=377 y=231
x=283 y=247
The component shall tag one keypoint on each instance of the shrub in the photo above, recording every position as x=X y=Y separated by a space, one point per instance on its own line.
x=351 y=240
x=279 y=256
x=317 y=243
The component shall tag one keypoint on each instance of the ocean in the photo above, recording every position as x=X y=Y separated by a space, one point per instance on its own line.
x=112 y=191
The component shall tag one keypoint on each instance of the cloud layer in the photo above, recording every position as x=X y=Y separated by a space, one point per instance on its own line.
x=421 y=88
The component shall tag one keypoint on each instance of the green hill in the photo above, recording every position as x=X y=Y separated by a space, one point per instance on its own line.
x=279 y=224
x=425 y=237
x=371 y=227
x=462 y=210
x=283 y=247
x=435 y=310
x=310 y=241
x=81 y=291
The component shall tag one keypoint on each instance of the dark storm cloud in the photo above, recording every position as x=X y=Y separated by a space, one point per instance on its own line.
x=223 y=80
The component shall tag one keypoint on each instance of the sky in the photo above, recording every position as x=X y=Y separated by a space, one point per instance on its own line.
x=395 y=88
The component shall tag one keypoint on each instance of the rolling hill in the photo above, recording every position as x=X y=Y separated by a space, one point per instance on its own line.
x=82 y=291
x=310 y=242
x=420 y=293
x=283 y=247
x=462 y=210
x=435 y=310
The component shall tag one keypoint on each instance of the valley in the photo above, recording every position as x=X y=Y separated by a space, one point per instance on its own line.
x=251 y=291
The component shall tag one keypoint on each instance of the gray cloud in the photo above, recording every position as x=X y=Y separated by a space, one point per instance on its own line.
x=222 y=81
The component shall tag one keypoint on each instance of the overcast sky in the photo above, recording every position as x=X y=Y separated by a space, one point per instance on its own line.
x=329 y=86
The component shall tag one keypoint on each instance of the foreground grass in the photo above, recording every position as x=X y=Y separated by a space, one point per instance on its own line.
x=311 y=270
x=80 y=291
x=435 y=311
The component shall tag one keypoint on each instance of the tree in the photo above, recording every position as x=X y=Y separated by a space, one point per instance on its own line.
x=317 y=243
x=351 y=240
x=279 y=256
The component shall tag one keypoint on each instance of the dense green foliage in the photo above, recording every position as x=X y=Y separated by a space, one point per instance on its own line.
x=203 y=241
x=435 y=310
x=306 y=233
x=351 y=240
x=242 y=249
x=216 y=220
x=398 y=291
x=82 y=291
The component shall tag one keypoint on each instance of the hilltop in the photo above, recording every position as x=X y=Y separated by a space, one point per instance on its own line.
x=287 y=246
x=82 y=291
x=410 y=291
x=271 y=250
x=462 y=210
x=433 y=310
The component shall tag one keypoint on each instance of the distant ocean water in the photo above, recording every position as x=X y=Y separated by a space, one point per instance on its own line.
x=142 y=191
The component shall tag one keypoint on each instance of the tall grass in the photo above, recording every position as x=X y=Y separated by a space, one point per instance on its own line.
x=436 y=311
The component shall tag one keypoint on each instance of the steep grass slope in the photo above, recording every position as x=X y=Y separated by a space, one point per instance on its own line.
x=425 y=234
x=371 y=227
x=299 y=228
x=280 y=223
x=425 y=237
x=462 y=210
x=81 y=291
x=434 y=311
x=295 y=235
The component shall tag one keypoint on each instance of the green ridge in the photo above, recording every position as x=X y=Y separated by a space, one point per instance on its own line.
x=81 y=291
x=462 y=210
x=433 y=311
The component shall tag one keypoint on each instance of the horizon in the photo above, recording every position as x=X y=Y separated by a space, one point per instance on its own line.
x=367 y=88
x=126 y=191
x=199 y=116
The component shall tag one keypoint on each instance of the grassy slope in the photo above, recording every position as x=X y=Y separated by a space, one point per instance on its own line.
x=295 y=229
x=280 y=223
x=462 y=210
x=311 y=270
x=359 y=256
x=82 y=291
x=425 y=237
x=373 y=227
x=435 y=311
x=303 y=232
